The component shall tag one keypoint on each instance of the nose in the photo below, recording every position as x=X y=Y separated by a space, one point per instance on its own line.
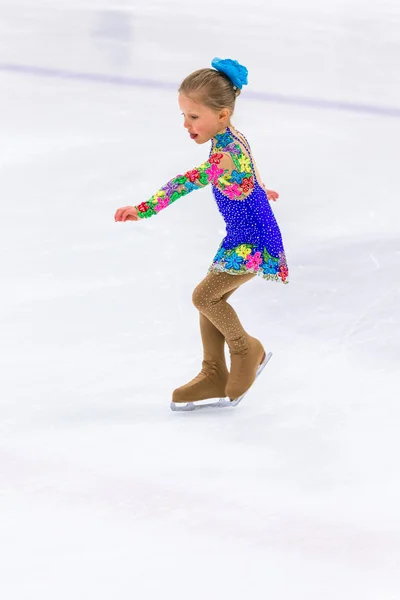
x=186 y=124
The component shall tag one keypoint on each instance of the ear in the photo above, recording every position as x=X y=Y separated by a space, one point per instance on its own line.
x=224 y=114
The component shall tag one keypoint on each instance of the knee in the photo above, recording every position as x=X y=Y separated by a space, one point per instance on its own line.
x=198 y=297
x=202 y=299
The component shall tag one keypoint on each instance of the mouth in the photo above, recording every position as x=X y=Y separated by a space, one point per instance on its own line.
x=193 y=136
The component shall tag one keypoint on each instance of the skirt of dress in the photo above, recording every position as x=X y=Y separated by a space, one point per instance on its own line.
x=249 y=257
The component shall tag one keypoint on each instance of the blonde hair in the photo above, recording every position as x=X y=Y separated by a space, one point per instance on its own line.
x=213 y=89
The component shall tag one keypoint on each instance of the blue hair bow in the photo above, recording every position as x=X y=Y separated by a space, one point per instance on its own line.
x=236 y=72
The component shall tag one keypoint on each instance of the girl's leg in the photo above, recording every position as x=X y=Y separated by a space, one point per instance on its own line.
x=210 y=296
x=246 y=352
x=211 y=381
x=213 y=340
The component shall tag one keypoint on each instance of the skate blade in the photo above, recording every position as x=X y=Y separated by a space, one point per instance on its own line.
x=222 y=402
x=197 y=405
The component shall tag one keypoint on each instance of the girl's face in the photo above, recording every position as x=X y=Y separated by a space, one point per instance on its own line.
x=202 y=122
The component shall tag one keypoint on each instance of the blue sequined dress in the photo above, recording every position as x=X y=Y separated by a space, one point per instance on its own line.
x=253 y=241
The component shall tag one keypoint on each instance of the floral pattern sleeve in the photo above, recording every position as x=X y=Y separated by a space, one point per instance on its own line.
x=217 y=167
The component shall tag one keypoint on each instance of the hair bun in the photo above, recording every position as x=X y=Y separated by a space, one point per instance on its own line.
x=236 y=72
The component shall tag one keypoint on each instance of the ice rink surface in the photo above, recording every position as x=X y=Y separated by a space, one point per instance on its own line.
x=104 y=493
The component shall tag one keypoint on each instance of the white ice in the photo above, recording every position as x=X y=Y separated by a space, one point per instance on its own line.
x=104 y=492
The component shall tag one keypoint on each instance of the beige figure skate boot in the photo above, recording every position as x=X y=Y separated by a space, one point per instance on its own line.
x=244 y=367
x=213 y=377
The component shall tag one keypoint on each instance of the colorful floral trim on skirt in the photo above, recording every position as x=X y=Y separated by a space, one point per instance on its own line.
x=245 y=259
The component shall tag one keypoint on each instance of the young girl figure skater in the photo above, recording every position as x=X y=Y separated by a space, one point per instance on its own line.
x=252 y=245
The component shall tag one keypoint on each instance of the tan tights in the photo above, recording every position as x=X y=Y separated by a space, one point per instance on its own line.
x=218 y=320
x=219 y=323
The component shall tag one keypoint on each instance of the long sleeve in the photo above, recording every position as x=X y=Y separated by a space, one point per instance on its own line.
x=217 y=167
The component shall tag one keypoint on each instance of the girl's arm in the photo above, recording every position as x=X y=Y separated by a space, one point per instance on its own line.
x=271 y=195
x=217 y=166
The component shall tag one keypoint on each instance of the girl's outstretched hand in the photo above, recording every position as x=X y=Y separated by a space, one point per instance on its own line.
x=126 y=213
x=271 y=194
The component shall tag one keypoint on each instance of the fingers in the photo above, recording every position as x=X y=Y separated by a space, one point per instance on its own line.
x=129 y=214
x=272 y=195
x=126 y=213
x=119 y=213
